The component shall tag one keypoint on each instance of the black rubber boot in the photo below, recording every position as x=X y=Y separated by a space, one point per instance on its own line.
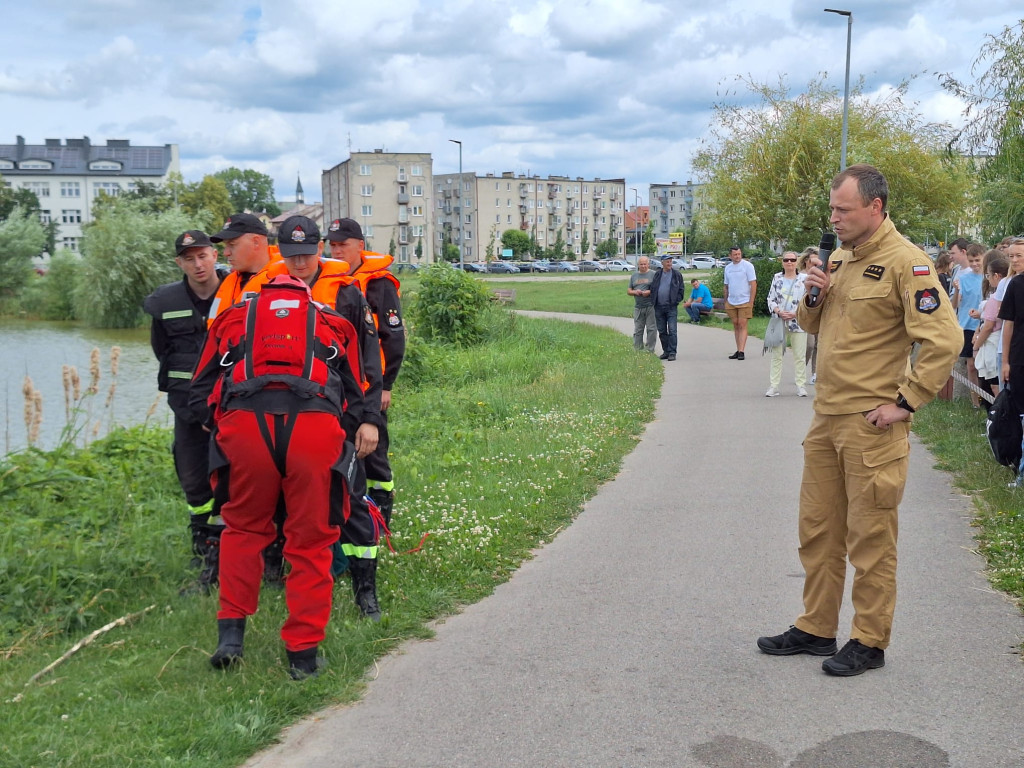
x=273 y=563
x=386 y=501
x=303 y=664
x=209 y=576
x=364 y=586
x=231 y=636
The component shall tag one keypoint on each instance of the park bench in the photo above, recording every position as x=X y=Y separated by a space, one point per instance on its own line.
x=505 y=295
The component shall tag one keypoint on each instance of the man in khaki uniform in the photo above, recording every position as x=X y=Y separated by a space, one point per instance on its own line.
x=879 y=295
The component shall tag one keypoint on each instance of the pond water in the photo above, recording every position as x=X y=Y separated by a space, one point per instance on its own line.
x=40 y=350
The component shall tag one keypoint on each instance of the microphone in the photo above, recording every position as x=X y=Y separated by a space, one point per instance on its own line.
x=825 y=248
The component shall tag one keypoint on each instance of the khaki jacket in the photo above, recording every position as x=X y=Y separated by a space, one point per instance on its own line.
x=884 y=296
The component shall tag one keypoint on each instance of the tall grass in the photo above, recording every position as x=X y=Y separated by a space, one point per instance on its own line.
x=495 y=449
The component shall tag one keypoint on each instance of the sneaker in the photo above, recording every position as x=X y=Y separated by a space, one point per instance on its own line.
x=736 y=356
x=670 y=358
x=794 y=641
x=855 y=659
x=814 y=378
x=772 y=392
x=739 y=356
x=801 y=392
x=663 y=356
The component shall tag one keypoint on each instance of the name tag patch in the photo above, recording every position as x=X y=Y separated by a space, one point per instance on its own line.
x=833 y=266
x=926 y=301
x=875 y=271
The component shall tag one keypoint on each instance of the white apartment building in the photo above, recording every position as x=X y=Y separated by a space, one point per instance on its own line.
x=69 y=176
x=543 y=207
x=674 y=206
x=389 y=194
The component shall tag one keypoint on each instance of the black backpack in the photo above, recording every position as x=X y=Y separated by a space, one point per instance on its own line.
x=1003 y=427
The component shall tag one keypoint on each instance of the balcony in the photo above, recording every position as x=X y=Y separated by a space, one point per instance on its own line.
x=552 y=192
x=522 y=190
x=522 y=209
x=403 y=198
x=570 y=192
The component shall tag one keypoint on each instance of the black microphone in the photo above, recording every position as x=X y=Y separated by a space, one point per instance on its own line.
x=825 y=248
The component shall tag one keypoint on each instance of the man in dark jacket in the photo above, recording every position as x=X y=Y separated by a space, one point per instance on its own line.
x=667 y=290
x=179 y=312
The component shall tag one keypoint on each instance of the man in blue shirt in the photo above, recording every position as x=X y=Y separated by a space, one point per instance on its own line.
x=699 y=301
x=966 y=297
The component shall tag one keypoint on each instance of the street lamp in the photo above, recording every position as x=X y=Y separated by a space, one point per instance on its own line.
x=846 y=89
x=636 y=223
x=462 y=235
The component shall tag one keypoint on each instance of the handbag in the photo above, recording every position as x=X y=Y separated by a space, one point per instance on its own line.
x=774 y=334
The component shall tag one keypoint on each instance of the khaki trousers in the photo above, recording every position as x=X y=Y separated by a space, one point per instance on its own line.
x=853 y=481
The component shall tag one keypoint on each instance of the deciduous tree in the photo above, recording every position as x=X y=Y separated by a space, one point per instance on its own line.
x=517 y=240
x=768 y=167
x=21 y=238
x=249 y=190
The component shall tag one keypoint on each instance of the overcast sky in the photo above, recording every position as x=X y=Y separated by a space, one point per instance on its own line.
x=592 y=88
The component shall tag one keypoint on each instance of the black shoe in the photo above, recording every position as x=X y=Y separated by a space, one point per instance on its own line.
x=794 y=641
x=736 y=356
x=663 y=356
x=231 y=634
x=305 y=664
x=364 y=586
x=855 y=659
x=671 y=357
x=739 y=356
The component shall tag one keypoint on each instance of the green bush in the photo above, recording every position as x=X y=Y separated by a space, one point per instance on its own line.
x=51 y=297
x=451 y=307
x=764 y=269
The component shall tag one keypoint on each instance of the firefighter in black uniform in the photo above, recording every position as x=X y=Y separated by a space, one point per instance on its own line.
x=179 y=312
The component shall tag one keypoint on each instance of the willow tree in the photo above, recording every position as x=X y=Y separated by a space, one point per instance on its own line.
x=768 y=167
x=993 y=131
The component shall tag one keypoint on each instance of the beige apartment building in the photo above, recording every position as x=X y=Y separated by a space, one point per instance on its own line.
x=674 y=206
x=543 y=207
x=389 y=194
x=68 y=176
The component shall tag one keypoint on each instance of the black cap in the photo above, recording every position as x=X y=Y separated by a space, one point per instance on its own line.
x=667 y=256
x=298 y=235
x=238 y=225
x=192 y=238
x=344 y=229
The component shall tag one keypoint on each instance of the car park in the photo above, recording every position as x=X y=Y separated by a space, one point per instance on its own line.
x=505 y=267
x=619 y=265
x=586 y=265
x=703 y=262
x=564 y=266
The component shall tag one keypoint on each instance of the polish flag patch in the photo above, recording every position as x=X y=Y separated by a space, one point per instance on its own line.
x=921 y=270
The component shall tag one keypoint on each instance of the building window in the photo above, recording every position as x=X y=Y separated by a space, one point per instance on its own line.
x=367 y=211
x=71 y=243
x=368 y=230
x=417 y=210
x=70 y=189
x=71 y=216
x=510 y=219
x=469 y=218
x=466 y=186
x=44 y=217
x=497 y=219
x=417 y=230
x=35 y=165
x=416 y=170
x=469 y=234
x=401 y=173
x=417 y=190
x=366 y=190
x=364 y=170
x=111 y=188
x=39 y=188
x=403 y=253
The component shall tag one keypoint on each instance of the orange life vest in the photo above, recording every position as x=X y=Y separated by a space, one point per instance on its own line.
x=232 y=289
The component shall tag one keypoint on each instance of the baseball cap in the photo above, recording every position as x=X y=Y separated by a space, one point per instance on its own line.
x=344 y=229
x=667 y=256
x=192 y=238
x=238 y=225
x=298 y=235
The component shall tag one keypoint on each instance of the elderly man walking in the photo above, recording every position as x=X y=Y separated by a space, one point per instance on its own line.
x=643 y=309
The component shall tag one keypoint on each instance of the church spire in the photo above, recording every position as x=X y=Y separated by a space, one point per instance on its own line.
x=299 y=199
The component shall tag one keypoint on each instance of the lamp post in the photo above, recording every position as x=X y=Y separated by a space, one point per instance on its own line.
x=462 y=235
x=636 y=223
x=846 y=89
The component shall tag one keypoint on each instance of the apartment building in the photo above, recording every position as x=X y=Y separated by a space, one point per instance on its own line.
x=389 y=194
x=674 y=206
x=544 y=207
x=68 y=176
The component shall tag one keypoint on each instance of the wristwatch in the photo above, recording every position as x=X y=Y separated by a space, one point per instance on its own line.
x=901 y=402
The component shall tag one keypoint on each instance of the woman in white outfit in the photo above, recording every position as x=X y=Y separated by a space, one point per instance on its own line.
x=783 y=298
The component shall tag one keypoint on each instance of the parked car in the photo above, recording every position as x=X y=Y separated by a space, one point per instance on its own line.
x=564 y=266
x=503 y=266
x=472 y=266
x=703 y=262
x=723 y=261
x=619 y=265
x=586 y=265
x=532 y=266
x=400 y=268
x=682 y=264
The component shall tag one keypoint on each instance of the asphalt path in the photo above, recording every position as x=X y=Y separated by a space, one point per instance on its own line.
x=629 y=639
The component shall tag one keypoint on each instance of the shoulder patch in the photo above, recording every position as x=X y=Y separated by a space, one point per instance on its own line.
x=927 y=301
x=875 y=271
x=367 y=316
x=394 y=321
x=922 y=270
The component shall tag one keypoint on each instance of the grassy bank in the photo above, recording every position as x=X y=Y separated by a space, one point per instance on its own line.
x=496 y=449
